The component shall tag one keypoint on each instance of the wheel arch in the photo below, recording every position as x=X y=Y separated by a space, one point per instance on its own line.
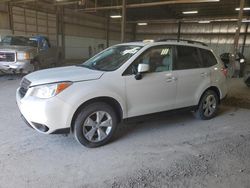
x=108 y=100
x=213 y=88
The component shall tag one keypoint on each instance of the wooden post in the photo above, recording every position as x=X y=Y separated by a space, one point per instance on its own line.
x=179 y=31
x=245 y=38
x=107 y=30
x=237 y=33
x=10 y=18
x=232 y=58
x=123 y=24
x=134 y=32
x=63 y=32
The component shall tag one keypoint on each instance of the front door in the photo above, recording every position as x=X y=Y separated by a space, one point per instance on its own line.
x=156 y=91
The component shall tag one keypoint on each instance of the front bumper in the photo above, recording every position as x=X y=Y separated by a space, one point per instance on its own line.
x=48 y=116
x=16 y=67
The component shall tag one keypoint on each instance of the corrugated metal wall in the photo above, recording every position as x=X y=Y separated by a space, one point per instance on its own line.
x=30 y=22
x=219 y=36
x=85 y=34
x=4 y=21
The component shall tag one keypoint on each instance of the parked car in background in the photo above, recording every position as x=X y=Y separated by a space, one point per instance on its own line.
x=247 y=79
x=236 y=69
x=20 y=54
x=121 y=82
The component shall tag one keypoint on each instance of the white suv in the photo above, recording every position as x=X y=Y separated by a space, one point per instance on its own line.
x=123 y=81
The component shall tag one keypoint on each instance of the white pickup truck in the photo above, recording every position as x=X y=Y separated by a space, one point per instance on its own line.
x=20 y=54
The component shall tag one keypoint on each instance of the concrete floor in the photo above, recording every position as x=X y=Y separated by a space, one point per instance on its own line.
x=164 y=151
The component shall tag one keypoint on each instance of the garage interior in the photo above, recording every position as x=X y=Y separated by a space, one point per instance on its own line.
x=159 y=151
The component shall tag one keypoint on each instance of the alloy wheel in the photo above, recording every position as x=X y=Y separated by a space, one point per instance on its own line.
x=209 y=105
x=97 y=126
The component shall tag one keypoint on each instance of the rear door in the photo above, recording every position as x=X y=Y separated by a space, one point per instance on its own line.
x=193 y=77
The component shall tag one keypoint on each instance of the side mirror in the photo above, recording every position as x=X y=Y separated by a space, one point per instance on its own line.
x=142 y=68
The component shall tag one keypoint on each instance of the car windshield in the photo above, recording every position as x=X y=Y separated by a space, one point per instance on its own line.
x=19 y=41
x=111 y=58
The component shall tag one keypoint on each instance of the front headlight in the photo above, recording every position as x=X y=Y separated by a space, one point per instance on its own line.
x=49 y=90
x=23 y=56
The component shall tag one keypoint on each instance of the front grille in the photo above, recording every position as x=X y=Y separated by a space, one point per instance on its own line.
x=7 y=57
x=24 y=86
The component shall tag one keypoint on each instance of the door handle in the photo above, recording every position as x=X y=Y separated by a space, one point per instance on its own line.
x=171 y=79
x=204 y=74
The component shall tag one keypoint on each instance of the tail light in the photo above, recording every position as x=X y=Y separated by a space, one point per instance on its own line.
x=224 y=71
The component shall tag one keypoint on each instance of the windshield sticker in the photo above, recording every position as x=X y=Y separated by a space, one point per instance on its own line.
x=131 y=51
x=165 y=51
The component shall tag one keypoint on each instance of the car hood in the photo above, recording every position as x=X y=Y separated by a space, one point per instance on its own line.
x=70 y=73
x=16 y=48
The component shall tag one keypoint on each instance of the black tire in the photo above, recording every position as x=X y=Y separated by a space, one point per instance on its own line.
x=200 y=112
x=86 y=113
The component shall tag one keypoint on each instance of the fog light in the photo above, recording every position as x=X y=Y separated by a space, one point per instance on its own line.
x=41 y=127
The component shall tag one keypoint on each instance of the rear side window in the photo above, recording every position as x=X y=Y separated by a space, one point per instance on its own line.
x=208 y=59
x=187 y=58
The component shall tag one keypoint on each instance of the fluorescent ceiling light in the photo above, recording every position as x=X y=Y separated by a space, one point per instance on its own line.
x=115 y=16
x=246 y=21
x=204 y=22
x=143 y=23
x=190 y=12
x=226 y=20
x=246 y=8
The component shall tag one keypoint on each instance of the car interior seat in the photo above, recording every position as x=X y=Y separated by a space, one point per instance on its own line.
x=166 y=64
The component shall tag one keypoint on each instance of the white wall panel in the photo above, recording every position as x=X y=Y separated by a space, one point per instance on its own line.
x=78 y=47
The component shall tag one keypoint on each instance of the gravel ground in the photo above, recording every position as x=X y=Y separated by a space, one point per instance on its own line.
x=166 y=150
x=239 y=94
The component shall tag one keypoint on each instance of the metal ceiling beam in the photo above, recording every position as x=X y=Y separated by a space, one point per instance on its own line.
x=21 y=1
x=187 y=20
x=58 y=3
x=141 y=5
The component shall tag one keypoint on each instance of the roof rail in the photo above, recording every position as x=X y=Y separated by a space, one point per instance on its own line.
x=183 y=40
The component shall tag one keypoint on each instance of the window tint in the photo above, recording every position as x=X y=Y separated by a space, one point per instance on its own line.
x=187 y=58
x=44 y=44
x=208 y=58
x=158 y=58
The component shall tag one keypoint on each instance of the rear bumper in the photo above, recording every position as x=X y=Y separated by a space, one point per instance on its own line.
x=224 y=98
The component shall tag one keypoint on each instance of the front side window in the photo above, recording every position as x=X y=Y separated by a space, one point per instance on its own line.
x=187 y=57
x=111 y=58
x=158 y=58
x=44 y=44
